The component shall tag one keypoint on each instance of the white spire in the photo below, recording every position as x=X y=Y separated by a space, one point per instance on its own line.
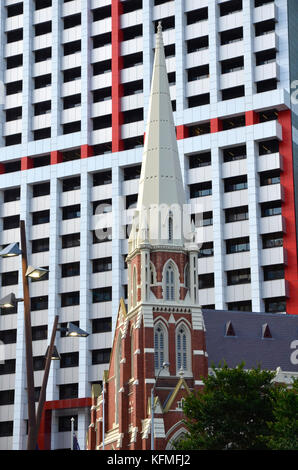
x=161 y=182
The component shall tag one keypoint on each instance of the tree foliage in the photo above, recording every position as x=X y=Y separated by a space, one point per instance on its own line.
x=240 y=409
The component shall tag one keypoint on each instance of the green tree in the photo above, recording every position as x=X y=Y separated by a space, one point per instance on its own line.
x=231 y=412
x=284 y=427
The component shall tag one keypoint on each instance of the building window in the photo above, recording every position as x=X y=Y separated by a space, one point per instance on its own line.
x=6 y=428
x=71 y=240
x=70 y=269
x=42 y=217
x=69 y=299
x=182 y=348
x=41 y=190
x=236 y=183
x=169 y=283
x=6 y=397
x=200 y=189
x=244 y=306
x=101 y=356
x=240 y=276
x=206 y=250
x=206 y=281
x=11 y=195
x=101 y=265
x=160 y=343
x=270 y=177
x=275 y=305
x=272 y=240
x=69 y=360
x=11 y=222
x=68 y=391
x=234 y=153
x=103 y=294
x=8 y=336
x=236 y=214
x=237 y=245
x=200 y=160
x=39 y=332
x=273 y=272
x=170 y=228
x=104 y=177
x=64 y=423
x=39 y=246
x=102 y=325
x=71 y=184
x=39 y=303
x=10 y=279
x=39 y=363
x=269 y=209
x=8 y=367
x=71 y=212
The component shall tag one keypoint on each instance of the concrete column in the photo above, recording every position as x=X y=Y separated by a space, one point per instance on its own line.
x=56 y=68
x=27 y=73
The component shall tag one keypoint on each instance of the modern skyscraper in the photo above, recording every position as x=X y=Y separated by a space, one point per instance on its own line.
x=75 y=83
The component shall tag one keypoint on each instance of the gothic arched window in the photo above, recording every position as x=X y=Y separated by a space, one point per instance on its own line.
x=170 y=283
x=160 y=346
x=117 y=377
x=134 y=287
x=182 y=348
x=170 y=228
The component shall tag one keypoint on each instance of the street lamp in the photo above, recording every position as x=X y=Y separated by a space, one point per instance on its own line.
x=9 y=301
x=36 y=273
x=11 y=250
x=165 y=365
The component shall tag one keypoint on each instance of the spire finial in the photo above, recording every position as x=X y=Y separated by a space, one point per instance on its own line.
x=159 y=27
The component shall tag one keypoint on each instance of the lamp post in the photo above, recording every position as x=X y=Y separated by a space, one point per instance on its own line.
x=164 y=366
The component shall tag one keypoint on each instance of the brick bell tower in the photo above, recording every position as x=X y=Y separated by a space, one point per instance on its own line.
x=163 y=322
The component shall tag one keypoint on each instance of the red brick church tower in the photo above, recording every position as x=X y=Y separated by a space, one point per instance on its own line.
x=159 y=341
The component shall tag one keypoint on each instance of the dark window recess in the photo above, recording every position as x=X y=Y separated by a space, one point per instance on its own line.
x=43 y=54
x=69 y=155
x=200 y=160
x=70 y=269
x=37 y=391
x=43 y=28
x=43 y=160
x=273 y=272
x=170 y=50
x=101 y=13
x=132 y=60
x=6 y=428
x=132 y=172
x=15 y=10
x=236 y=183
x=232 y=35
x=12 y=195
x=71 y=127
x=72 y=47
x=197 y=44
x=41 y=217
x=233 y=122
x=275 y=304
x=71 y=212
x=64 y=423
x=39 y=362
x=11 y=167
x=269 y=209
x=269 y=115
x=71 y=184
x=14 y=87
x=230 y=7
x=269 y=146
x=264 y=27
x=103 y=94
x=103 y=294
x=237 y=245
x=72 y=101
x=197 y=73
x=131 y=88
x=9 y=367
x=102 y=40
x=131 y=5
x=40 y=4
x=131 y=201
x=42 y=81
x=71 y=240
x=133 y=115
x=11 y=222
x=198 y=100
x=132 y=32
x=234 y=153
x=41 y=245
x=102 y=67
x=133 y=142
x=64 y=328
x=236 y=214
x=260 y=3
x=8 y=336
x=14 y=61
x=206 y=281
x=204 y=221
x=171 y=78
x=240 y=276
x=195 y=16
x=13 y=114
x=14 y=35
x=102 y=122
x=233 y=93
x=244 y=306
x=101 y=236
x=42 y=189
x=42 y=108
x=42 y=134
x=13 y=140
x=104 y=177
x=101 y=356
x=266 y=85
x=206 y=250
x=272 y=240
x=199 y=129
x=72 y=20
x=39 y=332
x=70 y=298
x=101 y=265
x=209 y=307
x=68 y=391
x=72 y=74
x=201 y=189
x=270 y=177
x=9 y=311
x=69 y=360
x=102 y=325
x=167 y=23
x=39 y=303
x=265 y=57
x=6 y=397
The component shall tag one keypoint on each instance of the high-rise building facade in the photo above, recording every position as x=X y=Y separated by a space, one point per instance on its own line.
x=75 y=85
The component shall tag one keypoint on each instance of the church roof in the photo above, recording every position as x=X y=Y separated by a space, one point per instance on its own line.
x=249 y=344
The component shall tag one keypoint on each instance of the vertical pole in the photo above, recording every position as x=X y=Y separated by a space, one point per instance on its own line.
x=43 y=390
x=103 y=415
x=31 y=444
x=152 y=418
x=72 y=433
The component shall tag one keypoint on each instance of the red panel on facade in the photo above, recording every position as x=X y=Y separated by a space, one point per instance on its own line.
x=117 y=145
x=215 y=125
x=288 y=210
x=251 y=118
x=86 y=151
x=182 y=132
x=56 y=157
x=26 y=163
x=2 y=169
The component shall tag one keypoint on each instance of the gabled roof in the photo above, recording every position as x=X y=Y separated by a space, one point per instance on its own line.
x=250 y=346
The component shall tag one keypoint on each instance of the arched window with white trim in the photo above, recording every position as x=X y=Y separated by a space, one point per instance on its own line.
x=118 y=358
x=134 y=287
x=170 y=227
x=183 y=360
x=170 y=283
x=160 y=345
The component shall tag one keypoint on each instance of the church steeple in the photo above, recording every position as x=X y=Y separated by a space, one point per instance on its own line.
x=161 y=200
